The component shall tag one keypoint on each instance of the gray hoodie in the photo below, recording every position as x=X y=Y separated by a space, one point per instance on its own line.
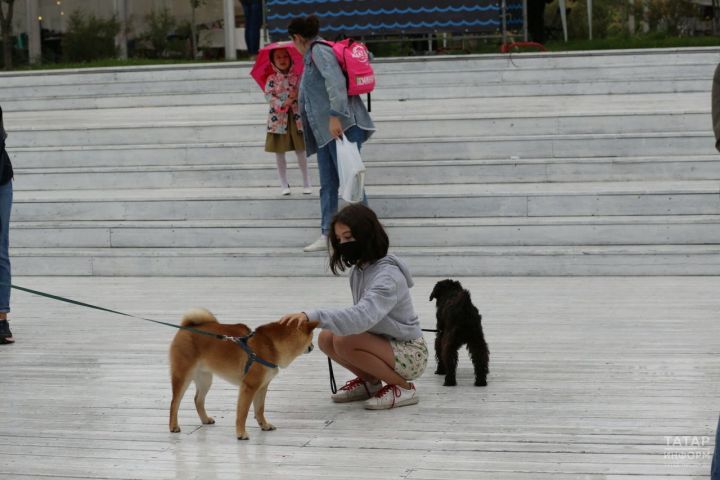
x=382 y=303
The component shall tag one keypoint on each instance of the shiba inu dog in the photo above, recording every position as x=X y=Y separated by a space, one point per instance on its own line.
x=196 y=358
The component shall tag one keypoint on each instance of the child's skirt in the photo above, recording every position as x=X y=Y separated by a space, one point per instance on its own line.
x=290 y=141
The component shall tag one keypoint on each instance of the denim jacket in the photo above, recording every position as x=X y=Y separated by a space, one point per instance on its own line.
x=323 y=92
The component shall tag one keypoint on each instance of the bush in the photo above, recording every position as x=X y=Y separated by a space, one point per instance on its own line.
x=19 y=56
x=161 y=24
x=610 y=17
x=89 y=38
x=669 y=15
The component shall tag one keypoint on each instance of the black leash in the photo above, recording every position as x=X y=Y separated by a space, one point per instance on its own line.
x=240 y=341
x=333 y=385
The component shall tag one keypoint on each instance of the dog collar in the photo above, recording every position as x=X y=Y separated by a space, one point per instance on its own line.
x=252 y=357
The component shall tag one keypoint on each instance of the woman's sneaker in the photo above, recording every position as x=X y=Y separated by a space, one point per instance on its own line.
x=319 y=245
x=391 y=396
x=354 y=390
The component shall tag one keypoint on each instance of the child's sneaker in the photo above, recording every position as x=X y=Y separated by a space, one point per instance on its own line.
x=354 y=390
x=391 y=396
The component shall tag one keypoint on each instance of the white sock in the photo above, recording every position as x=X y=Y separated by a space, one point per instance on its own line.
x=282 y=169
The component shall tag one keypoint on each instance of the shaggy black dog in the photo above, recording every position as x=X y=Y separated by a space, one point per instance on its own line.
x=458 y=324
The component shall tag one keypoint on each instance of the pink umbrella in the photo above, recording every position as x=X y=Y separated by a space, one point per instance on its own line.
x=263 y=68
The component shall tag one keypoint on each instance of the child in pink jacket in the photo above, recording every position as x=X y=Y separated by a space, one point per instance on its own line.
x=284 y=127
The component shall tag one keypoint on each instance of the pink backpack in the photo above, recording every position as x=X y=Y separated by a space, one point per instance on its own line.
x=354 y=60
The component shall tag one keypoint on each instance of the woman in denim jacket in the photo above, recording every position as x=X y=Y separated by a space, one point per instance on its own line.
x=327 y=113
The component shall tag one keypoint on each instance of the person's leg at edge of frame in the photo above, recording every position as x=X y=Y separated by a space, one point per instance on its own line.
x=246 y=6
x=253 y=29
x=250 y=11
x=715 y=468
x=6 y=195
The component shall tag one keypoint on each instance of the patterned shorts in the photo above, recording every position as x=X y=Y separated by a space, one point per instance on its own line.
x=411 y=357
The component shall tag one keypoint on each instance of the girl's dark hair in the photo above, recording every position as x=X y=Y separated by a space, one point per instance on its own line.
x=366 y=230
x=307 y=27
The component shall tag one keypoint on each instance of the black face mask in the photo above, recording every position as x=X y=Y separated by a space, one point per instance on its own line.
x=350 y=251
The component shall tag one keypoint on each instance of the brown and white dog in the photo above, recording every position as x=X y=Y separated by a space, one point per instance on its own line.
x=195 y=357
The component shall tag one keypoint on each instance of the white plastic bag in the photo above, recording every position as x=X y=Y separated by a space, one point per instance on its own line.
x=351 y=170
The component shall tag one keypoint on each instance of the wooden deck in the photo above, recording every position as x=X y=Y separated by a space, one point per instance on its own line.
x=591 y=378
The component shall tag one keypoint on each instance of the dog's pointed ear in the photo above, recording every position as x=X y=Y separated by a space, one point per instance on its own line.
x=311 y=325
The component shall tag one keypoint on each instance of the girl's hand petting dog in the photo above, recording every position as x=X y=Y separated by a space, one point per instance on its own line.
x=296 y=319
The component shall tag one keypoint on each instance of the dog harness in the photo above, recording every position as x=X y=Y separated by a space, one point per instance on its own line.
x=252 y=357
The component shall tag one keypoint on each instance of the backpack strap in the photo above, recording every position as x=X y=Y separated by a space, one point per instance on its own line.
x=321 y=42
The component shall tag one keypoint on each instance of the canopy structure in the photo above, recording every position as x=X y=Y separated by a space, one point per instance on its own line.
x=563 y=16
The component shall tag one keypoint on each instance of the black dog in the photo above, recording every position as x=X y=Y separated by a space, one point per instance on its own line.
x=458 y=324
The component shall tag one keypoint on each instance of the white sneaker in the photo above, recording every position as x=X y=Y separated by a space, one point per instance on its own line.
x=355 y=390
x=307 y=190
x=391 y=396
x=318 y=245
x=285 y=191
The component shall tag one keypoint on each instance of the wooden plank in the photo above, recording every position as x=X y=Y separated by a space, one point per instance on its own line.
x=589 y=379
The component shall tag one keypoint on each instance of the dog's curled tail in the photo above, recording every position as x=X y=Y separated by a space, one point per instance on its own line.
x=198 y=316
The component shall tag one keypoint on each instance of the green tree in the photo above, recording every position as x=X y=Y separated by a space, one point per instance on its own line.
x=6 y=26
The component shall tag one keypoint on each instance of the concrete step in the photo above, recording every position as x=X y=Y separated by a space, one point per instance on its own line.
x=437 y=262
x=515 y=73
x=395 y=201
x=500 y=107
x=690 y=143
x=534 y=107
x=237 y=98
x=387 y=128
x=408 y=172
x=421 y=232
x=577 y=59
x=680 y=59
x=537 y=164
x=417 y=118
x=429 y=80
